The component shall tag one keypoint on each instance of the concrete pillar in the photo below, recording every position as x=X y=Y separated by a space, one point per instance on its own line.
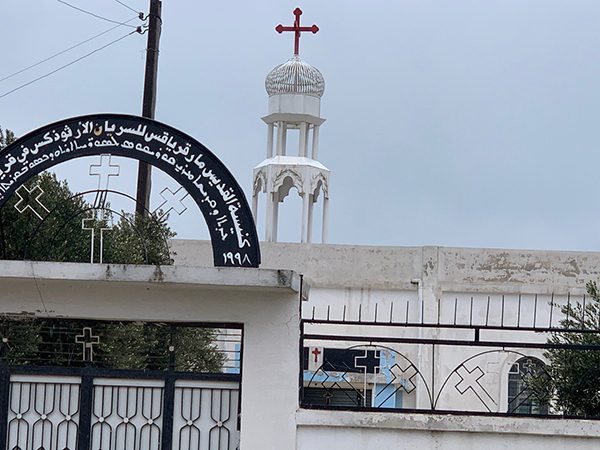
x=303 y=142
x=305 y=209
x=269 y=218
x=255 y=205
x=280 y=139
x=325 y=219
x=315 y=143
x=310 y=217
x=270 y=140
x=275 y=215
x=284 y=138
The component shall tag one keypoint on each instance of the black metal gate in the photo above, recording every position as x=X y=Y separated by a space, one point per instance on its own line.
x=81 y=406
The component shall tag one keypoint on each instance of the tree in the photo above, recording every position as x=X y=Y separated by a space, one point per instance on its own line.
x=48 y=227
x=570 y=380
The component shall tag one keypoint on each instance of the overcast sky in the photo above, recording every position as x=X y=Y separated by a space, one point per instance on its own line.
x=449 y=122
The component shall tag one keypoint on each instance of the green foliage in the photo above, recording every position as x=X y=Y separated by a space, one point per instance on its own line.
x=60 y=237
x=7 y=137
x=135 y=346
x=146 y=346
x=50 y=229
x=570 y=381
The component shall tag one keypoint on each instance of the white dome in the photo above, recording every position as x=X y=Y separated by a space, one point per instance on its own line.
x=295 y=77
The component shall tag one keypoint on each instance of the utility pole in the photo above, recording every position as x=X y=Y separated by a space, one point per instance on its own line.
x=144 y=181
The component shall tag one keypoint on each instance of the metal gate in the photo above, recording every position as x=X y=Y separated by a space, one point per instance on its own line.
x=98 y=411
x=55 y=395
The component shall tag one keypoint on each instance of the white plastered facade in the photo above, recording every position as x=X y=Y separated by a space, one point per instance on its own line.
x=349 y=276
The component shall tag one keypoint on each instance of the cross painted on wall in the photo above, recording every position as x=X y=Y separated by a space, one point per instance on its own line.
x=88 y=340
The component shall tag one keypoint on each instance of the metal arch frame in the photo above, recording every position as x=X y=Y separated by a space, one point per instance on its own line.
x=208 y=181
x=92 y=208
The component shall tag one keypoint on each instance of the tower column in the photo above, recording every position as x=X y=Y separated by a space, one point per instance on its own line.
x=325 y=219
x=315 y=143
x=284 y=138
x=269 y=221
x=275 y=217
x=255 y=205
x=311 y=203
x=270 y=140
x=305 y=214
x=303 y=142
x=280 y=139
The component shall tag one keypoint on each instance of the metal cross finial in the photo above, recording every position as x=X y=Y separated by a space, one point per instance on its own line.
x=30 y=199
x=88 y=340
x=103 y=224
x=297 y=29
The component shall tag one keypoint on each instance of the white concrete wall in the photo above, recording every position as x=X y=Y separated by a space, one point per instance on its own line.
x=349 y=276
x=264 y=301
x=375 y=431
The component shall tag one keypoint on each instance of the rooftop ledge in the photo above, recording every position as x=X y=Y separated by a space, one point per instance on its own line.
x=187 y=275
x=450 y=423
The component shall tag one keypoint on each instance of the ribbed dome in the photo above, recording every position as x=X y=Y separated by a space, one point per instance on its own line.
x=295 y=77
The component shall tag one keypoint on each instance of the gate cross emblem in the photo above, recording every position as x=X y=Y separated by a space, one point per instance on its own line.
x=88 y=340
x=33 y=203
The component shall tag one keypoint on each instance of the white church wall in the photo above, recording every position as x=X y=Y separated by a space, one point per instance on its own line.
x=341 y=430
x=264 y=301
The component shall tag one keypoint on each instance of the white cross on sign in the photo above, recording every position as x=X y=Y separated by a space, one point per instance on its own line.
x=93 y=225
x=104 y=171
x=470 y=380
x=36 y=192
x=173 y=201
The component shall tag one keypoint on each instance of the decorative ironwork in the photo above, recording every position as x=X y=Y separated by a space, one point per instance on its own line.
x=88 y=340
x=103 y=171
x=173 y=201
x=460 y=365
x=526 y=312
x=197 y=169
x=105 y=213
x=104 y=224
x=91 y=406
x=36 y=206
x=127 y=414
x=43 y=414
x=206 y=417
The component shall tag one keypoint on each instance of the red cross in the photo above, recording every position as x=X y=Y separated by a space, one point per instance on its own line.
x=316 y=352
x=297 y=29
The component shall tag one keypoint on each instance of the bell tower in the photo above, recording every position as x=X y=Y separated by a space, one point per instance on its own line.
x=295 y=89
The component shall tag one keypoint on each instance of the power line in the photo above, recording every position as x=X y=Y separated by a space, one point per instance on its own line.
x=95 y=15
x=62 y=52
x=128 y=7
x=69 y=64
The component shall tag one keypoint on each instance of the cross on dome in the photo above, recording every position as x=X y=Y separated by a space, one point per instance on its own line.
x=297 y=29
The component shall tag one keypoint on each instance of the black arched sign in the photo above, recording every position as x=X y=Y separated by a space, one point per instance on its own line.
x=197 y=169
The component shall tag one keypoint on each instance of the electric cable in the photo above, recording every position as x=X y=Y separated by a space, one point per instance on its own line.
x=128 y=7
x=138 y=30
x=95 y=15
x=62 y=52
